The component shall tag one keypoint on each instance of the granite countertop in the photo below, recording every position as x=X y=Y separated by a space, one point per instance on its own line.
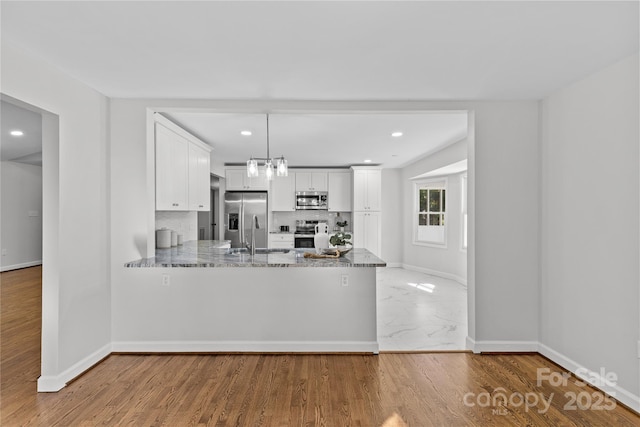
x=211 y=253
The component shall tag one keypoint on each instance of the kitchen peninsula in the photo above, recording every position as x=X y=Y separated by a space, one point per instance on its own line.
x=210 y=298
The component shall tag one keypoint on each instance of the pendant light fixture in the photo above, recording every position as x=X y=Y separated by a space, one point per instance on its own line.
x=281 y=163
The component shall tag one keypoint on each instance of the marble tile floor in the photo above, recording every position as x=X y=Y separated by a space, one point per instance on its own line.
x=417 y=311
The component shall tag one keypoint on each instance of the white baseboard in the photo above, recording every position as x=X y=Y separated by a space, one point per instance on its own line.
x=502 y=346
x=461 y=280
x=594 y=378
x=245 y=346
x=57 y=382
x=620 y=394
x=22 y=265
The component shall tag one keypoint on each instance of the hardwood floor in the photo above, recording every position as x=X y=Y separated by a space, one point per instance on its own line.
x=439 y=389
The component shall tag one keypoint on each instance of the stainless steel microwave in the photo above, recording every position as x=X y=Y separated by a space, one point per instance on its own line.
x=311 y=200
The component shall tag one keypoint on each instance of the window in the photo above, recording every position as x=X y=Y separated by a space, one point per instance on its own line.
x=464 y=212
x=430 y=215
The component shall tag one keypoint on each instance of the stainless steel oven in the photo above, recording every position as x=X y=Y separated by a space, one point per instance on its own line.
x=303 y=240
x=311 y=200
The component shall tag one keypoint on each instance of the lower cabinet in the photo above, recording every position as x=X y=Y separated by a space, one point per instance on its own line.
x=281 y=241
x=367 y=227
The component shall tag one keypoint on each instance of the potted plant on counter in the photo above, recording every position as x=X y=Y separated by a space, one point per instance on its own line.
x=342 y=225
x=340 y=240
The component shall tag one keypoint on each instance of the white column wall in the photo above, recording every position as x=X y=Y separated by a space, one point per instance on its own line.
x=504 y=172
x=76 y=295
x=392 y=217
x=590 y=232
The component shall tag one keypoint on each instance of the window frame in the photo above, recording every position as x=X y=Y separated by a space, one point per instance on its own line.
x=417 y=186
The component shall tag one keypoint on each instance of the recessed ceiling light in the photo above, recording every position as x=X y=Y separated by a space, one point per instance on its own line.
x=17 y=133
x=367 y=161
x=396 y=134
x=245 y=133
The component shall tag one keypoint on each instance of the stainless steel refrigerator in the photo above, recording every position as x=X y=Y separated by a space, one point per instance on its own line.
x=239 y=209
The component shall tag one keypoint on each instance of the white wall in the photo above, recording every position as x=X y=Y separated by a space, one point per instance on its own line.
x=76 y=298
x=585 y=286
x=450 y=262
x=392 y=217
x=505 y=173
x=590 y=246
x=503 y=157
x=21 y=233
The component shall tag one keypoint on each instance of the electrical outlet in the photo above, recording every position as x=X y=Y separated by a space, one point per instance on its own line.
x=4 y=252
x=166 y=280
x=345 y=280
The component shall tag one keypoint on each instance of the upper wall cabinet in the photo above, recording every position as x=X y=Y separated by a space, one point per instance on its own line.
x=283 y=193
x=237 y=180
x=311 y=181
x=339 y=191
x=172 y=170
x=182 y=169
x=199 y=179
x=367 y=184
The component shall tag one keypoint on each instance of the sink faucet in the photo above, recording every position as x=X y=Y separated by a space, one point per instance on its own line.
x=254 y=226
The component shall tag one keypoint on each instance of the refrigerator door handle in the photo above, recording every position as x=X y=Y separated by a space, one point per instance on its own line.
x=241 y=225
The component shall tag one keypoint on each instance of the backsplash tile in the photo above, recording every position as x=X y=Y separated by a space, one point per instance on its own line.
x=185 y=223
x=289 y=218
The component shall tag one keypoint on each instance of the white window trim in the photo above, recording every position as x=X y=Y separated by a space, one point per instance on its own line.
x=414 y=231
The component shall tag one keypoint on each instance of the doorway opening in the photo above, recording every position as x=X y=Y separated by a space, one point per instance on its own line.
x=44 y=256
x=208 y=220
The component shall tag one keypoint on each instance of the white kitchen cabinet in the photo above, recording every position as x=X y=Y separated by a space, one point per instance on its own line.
x=367 y=195
x=237 y=180
x=182 y=169
x=367 y=185
x=311 y=181
x=172 y=170
x=339 y=187
x=367 y=227
x=199 y=179
x=283 y=193
x=281 y=241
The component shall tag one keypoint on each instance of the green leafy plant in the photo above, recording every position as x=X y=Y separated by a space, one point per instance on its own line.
x=342 y=223
x=340 y=239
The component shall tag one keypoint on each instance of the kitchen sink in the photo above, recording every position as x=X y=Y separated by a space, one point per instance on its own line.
x=234 y=251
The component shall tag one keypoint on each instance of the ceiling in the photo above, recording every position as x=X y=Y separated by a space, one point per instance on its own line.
x=339 y=50
x=336 y=140
x=26 y=148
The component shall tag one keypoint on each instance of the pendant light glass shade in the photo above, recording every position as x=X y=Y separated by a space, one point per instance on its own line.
x=252 y=168
x=268 y=167
x=282 y=169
